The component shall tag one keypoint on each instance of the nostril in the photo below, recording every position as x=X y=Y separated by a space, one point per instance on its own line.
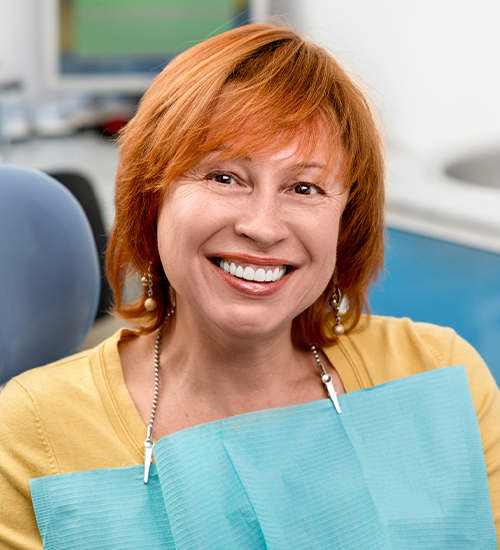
x=264 y=227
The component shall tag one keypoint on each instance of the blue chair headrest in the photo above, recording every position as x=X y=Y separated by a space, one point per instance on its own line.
x=49 y=271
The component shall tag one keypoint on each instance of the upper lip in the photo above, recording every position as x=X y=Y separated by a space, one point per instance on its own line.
x=250 y=259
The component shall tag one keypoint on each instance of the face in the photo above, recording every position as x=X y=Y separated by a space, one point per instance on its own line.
x=249 y=243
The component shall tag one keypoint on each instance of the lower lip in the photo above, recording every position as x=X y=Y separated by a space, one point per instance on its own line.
x=251 y=288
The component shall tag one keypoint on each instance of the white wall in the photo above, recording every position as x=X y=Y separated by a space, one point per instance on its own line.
x=20 y=56
x=433 y=66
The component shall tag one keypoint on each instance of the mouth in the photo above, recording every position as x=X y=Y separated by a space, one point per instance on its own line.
x=252 y=272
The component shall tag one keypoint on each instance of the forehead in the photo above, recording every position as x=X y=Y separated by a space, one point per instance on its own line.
x=294 y=150
x=303 y=147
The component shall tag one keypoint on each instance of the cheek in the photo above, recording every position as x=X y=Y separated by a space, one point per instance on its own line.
x=323 y=240
x=323 y=230
x=185 y=223
x=171 y=227
x=327 y=254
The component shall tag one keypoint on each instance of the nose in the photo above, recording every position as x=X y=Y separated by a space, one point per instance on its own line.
x=262 y=219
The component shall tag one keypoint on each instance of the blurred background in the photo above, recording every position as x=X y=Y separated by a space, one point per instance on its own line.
x=72 y=71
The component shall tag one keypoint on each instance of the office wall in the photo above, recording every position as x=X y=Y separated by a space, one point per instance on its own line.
x=20 y=56
x=432 y=66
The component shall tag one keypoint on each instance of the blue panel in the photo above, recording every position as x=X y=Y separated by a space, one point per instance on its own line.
x=443 y=283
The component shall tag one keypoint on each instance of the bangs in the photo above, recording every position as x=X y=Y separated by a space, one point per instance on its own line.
x=234 y=134
x=277 y=93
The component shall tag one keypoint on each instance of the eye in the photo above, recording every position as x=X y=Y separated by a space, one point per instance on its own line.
x=222 y=177
x=306 y=189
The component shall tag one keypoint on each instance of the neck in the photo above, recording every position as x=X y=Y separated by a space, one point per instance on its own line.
x=233 y=373
x=204 y=377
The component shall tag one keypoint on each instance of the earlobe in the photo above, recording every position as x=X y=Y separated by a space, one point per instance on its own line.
x=172 y=297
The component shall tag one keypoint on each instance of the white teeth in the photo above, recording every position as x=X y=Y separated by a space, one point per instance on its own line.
x=260 y=275
x=248 y=273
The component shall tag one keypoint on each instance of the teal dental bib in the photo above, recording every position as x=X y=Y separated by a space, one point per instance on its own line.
x=401 y=468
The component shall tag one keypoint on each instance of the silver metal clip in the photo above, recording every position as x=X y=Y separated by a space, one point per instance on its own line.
x=327 y=381
x=148 y=452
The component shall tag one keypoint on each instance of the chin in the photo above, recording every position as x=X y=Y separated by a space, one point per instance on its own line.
x=252 y=327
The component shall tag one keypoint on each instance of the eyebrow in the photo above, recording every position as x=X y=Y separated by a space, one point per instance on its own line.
x=309 y=165
x=298 y=165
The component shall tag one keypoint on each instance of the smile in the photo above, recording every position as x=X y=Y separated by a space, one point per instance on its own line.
x=255 y=274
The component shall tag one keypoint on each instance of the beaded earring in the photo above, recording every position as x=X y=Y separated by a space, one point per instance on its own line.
x=149 y=303
x=335 y=300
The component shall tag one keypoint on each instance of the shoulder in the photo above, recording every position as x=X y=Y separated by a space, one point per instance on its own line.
x=51 y=419
x=28 y=413
x=60 y=372
x=33 y=388
x=38 y=399
x=39 y=408
x=386 y=348
x=40 y=387
x=382 y=349
x=63 y=379
x=414 y=345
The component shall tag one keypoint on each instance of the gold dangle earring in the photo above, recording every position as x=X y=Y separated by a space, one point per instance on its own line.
x=149 y=303
x=335 y=300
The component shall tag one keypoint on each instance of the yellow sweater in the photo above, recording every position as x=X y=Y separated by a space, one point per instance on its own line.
x=77 y=414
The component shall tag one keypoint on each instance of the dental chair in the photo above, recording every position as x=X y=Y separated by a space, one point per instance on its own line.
x=49 y=271
x=81 y=188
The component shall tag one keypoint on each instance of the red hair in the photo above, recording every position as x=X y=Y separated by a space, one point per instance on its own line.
x=277 y=85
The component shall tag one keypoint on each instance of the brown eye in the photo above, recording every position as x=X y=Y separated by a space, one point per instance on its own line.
x=305 y=189
x=226 y=179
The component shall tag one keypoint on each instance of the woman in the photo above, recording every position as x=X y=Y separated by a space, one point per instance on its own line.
x=250 y=196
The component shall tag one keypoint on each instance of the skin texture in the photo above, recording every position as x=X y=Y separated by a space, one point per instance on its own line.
x=229 y=348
